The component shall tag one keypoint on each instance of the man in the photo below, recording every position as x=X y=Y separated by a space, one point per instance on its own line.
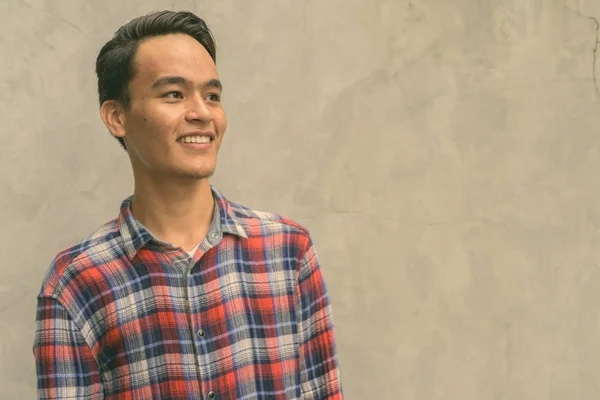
x=184 y=295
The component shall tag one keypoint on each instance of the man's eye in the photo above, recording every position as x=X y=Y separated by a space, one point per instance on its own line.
x=173 y=95
x=214 y=97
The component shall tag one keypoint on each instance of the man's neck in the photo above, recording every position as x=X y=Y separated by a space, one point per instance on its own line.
x=177 y=212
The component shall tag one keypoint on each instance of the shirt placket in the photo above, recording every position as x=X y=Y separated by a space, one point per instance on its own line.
x=181 y=261
x=195 y=295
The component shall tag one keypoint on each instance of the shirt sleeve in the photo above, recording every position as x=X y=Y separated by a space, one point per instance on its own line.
x=319 y=369
x=66 y=367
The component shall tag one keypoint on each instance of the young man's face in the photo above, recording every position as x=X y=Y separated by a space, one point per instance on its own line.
x=175 y=93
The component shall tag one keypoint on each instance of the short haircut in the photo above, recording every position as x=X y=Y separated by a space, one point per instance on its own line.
x=115 y=62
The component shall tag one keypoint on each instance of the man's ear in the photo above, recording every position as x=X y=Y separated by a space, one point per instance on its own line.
x=113 y=114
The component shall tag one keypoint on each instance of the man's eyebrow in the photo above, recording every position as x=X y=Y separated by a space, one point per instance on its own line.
x=180 y=80
x=214 y=83
x=170 y=80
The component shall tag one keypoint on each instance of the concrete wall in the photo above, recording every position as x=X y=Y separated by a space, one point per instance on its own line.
x=444 y=154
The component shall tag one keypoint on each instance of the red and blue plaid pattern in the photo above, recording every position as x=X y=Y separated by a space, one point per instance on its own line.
x=124 y=315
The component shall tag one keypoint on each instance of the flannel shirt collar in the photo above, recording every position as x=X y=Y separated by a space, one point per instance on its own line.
x=135 y=235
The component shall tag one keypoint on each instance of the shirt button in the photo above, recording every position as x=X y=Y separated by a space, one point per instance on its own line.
x=214 y=235
x=201 y=333
x=211 y=395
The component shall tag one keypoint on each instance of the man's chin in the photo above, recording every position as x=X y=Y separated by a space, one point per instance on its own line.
x=199 y=175
x=188 y=174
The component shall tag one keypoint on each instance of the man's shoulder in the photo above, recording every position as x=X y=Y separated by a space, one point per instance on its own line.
x=77 y=257
x=255 y=221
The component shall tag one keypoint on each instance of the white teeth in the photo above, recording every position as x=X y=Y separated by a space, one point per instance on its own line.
x=195 y=139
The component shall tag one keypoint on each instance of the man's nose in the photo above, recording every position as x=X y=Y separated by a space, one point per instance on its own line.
x=198 y=110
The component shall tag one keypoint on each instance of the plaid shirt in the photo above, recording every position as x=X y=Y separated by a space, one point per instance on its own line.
x=124 y=315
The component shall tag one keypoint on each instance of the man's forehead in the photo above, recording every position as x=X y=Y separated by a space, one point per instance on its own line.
x=173 y=54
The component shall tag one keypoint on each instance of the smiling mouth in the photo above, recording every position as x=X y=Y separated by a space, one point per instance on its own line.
x=199 y=139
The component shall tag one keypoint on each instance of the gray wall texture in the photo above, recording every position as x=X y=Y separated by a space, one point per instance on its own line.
x=443 y=153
